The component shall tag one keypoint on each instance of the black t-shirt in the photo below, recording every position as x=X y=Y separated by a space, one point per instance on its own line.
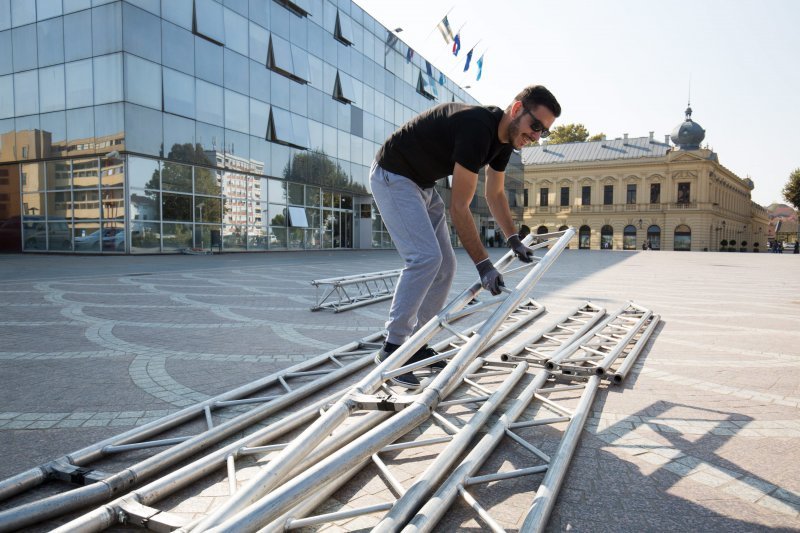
x=426 y=148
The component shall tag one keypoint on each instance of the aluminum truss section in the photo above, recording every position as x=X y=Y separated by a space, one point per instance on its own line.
x=136 y=507
x=540 y=346
x=343 y=293
x=595 y=352
x=269 y=495
x=92 y=486
x=553 y=399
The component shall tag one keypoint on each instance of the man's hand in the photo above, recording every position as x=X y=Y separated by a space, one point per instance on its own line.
x=490 y=277
x=524 y=253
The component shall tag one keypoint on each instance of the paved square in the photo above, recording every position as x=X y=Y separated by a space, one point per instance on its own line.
x=704 y=435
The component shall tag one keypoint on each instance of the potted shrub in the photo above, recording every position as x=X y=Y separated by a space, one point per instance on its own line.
x=755 y=247
x=743 y=248
x=732 y=247
x=723 y=245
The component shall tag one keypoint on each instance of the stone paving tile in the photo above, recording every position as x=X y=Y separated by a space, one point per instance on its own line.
x=696 y=439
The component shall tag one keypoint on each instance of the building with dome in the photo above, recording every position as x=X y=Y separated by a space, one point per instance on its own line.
x=642 y=192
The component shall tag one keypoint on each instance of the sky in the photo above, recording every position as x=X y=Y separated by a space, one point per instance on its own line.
x=631 y=66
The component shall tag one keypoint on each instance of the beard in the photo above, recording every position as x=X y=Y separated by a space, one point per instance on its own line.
x=514 y=133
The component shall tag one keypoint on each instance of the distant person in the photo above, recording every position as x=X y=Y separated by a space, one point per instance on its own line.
x=449 y=139
x=797 y=247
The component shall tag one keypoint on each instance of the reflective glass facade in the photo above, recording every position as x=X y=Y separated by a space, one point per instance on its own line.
x=153 y=126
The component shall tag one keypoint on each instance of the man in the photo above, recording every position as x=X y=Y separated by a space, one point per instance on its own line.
x=450 y=139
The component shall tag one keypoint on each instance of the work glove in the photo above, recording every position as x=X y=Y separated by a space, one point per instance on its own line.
x=524 y=253
x=490 y=277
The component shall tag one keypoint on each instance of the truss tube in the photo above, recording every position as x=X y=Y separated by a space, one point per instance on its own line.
x=545 y=498
x=598 y=312
x=273 y=504
x=355 y=278
x=313 y=500
x=633 y=355
x=407 y=505
x=107 y=488
x=433 y=511
x=35 y=476
x=565 y=351
x=611 y=357
x=107 y=515
x=301 y=446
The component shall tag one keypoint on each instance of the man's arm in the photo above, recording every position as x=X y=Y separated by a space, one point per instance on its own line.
x=498 y=201
x=464 y=184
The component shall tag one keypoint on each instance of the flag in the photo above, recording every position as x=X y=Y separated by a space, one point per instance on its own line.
x=410 y=55
x=456 y=44
x=441 y=78
x=391 y=41
x=479 y=62
x=469 y=58
x=444 y=28
x=428 y=68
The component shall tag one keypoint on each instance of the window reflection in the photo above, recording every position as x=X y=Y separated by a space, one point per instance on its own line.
x=108 y=127
x=57 y=175
x=235 y=32
x=107 y=79
x=236 y=71
x=144 y=173
x=85 y=204
x=107 y=28
x=51 y=95
x=114 y=205
x=78 y=28
x=145 y=205
x=179 y=93
x=176 y=207
x=174 y=176
x=79 y=83
x=145 y=237
x=141 y=33
x=176 y=237
x=50 y=35
x=6 y=97
x=209 y=20
x=26 y=93
x=237 y=116
x=142 y=82
x=177 y=50
x=112 y=172
x=207 y=209
x=24 y=47
x=177 y=131
x=143 y=132
x=208 y=60
x=178 y=12
x=209 y=102
x=80 y=130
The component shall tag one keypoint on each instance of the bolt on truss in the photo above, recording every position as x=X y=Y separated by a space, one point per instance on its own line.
x=347 y=292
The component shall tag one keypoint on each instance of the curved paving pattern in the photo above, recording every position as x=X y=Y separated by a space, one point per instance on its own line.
x=697 y=439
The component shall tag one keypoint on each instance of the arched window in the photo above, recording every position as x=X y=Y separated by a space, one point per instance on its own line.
x=541 y=230
x=563 y=228
x=629 y=238
x=606 y=237
x=683 y=238
x=584 y=237
x=654 y=237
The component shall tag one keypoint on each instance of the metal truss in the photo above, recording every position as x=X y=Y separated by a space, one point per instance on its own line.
x=356 y=432
x=347 y=292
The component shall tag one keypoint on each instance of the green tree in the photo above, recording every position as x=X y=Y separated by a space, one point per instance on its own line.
x=177 y=177
x=316 y=167
x=571 y=133
x=791 y=191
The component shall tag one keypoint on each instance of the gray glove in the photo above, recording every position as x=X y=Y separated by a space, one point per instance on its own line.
x=490 y=277
x=524 y=253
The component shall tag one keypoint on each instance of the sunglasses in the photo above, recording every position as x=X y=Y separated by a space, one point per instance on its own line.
x=536 y=125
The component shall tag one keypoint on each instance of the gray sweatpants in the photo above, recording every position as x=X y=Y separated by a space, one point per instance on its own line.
x=415 y=218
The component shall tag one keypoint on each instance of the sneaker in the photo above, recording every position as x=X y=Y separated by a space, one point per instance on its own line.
x=408 y=380
x=426 y=352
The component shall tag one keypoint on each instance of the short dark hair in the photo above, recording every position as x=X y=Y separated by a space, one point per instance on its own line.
x=534 y=95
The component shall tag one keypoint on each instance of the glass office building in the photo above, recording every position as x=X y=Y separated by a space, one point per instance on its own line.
x=153 y=126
